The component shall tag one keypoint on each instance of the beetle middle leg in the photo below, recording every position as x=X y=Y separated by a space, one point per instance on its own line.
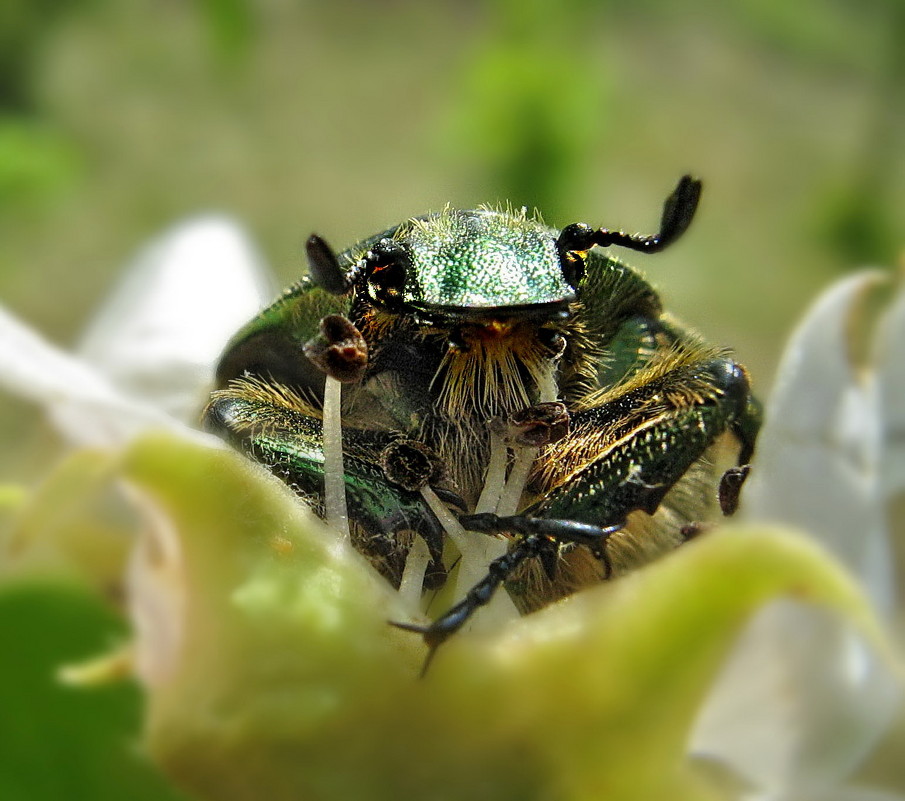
x=283 y=432
x=540 y=540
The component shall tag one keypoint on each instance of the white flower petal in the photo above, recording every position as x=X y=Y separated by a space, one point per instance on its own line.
x=179 y=302
x=850 y=793
x=802 y=700
x=148 y=357
x=800 y=703
x=818 y=454
x=157 y=594
x=857 y=794
x=83 y=404
x=890 y=361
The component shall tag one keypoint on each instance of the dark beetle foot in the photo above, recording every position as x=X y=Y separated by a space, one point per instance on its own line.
x=731 y=487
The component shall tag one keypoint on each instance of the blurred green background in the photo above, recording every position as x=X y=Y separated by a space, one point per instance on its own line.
x=118 y=119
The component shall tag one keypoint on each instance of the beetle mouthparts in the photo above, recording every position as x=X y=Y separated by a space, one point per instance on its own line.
x=493 y=329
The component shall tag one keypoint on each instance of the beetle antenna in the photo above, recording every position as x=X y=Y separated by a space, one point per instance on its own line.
x=324 y=267
x=678 y=212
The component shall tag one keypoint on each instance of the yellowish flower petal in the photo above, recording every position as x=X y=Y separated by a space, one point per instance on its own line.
x=290 y=684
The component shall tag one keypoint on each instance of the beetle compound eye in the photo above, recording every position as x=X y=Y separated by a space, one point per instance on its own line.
x=389 y=278
x=573 y=242
x=386 y=266
x=572 y=268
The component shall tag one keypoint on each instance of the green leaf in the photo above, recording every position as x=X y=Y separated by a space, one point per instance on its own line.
x=59 y=743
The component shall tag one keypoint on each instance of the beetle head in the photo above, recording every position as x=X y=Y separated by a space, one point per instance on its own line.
x=469 y=267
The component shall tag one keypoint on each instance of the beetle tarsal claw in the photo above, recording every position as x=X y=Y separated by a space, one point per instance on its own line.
x=433 y=635
x=417 y=628
x=731 y=487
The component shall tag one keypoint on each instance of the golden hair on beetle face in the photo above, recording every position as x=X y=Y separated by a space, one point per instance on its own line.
x=502 y=368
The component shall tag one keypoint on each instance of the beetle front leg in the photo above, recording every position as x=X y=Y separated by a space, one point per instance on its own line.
x=540 y=540
x=555 y=531
x=746 y=428
x=440 y=630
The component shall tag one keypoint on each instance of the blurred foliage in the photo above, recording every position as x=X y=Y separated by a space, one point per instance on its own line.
x=59 y=743
x=231 y=28
x=36 y=164
x=862 y=219
x=25 y=26
x=344 y=118
x=531 y=104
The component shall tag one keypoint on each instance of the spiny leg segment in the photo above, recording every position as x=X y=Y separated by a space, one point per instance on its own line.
x=540 y=539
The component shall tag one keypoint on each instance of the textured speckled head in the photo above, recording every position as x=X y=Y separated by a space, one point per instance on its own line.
x=479 y=262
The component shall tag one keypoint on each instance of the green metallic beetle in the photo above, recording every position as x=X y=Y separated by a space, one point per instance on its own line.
x=495 y=344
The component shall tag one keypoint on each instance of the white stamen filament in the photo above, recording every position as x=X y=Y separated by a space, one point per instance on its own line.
x=495 y=479
x=524 y=457
x=515 y=485
x=334 y=476
x=499 y=495
x=548 y=388
x=413 y=575
x=477 y=551
x=450 y=524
